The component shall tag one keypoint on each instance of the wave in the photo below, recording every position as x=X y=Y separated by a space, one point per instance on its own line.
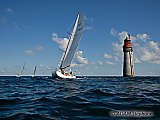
x=84 y=98
x=10 y=101
x=29 y=116
x=99 y=92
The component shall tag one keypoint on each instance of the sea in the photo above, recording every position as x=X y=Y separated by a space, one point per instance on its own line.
x=84 y=98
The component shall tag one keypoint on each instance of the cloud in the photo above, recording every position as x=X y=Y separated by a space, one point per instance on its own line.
x=54 y=35
x=9 y=10
x=107 y=55
x=88 y=28
x=93 y=63
x=34 y=51
x=80 y=59
x=156 y=61
x=154 y=46
x=142 y=36
x=62 y=42
x=88 y=23
x=75 y=65
x=46 y=67
x=150 y=52
x=38 y=48
x=110 y=63
x=146 y=51
x=117 y=48
x=7 y=21
x=18 y=25
x=114 y=56
x=136 y=60
x=114 y=32
x=144 y=48
x=29 y=52
x=100 y=62
x=147 y=55
x=122 y=35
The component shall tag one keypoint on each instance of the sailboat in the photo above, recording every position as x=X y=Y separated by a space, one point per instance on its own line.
x=34 y=72
x=68 y=54
x=21 y=71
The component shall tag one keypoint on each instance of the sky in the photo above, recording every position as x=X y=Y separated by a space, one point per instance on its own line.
x=34 y=31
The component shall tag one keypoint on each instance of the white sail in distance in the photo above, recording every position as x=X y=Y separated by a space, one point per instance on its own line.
x=73 y=42
x=34 y=72
x=21 y=70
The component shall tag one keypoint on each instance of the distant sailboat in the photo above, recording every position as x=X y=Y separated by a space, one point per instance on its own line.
x=21 y=71
x=34 y=72
x=70 y=50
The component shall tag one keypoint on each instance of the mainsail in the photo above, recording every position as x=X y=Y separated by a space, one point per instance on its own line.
x=73 y=42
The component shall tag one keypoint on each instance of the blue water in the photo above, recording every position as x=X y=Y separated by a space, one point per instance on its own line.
x=92 y=98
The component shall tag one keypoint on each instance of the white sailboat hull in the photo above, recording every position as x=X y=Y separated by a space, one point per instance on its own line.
x=32 y=76
x=18 y=76
x=59 y=74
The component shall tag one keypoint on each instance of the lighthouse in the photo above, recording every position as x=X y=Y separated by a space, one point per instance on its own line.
x=128 y=68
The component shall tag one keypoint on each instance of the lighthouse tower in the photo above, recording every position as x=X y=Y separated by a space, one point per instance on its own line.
x=128 y=68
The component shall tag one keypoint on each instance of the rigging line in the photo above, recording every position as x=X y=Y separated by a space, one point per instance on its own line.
x=80 y=28
x=66 y=67
x=69 y=33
